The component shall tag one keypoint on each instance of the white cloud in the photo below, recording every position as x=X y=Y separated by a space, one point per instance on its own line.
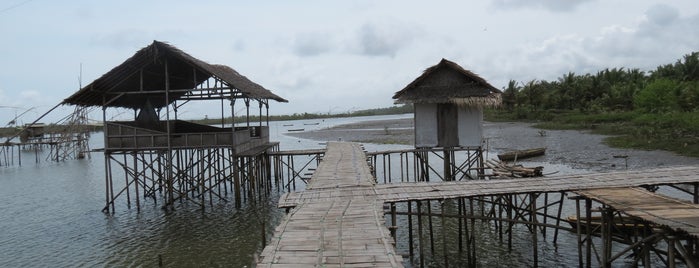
x=661 y=14
x=552 y=5
x=641 y=46
x=383 y=39
x=312 y=44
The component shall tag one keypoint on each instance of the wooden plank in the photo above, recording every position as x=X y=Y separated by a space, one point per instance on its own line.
x=674 y=214
x=339 y=223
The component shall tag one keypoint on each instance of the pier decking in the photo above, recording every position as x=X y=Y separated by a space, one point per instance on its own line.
x=397 y=192
x=338 y=220
x=339 y=230
x=671 y=213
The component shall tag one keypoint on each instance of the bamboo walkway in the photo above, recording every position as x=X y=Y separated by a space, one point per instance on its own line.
x=676 y=215
x=338 y=220
x=341 y=229
x=397 y=192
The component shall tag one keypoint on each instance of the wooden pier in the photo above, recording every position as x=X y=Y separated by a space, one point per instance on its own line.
x=338 y=221
x=343 y=229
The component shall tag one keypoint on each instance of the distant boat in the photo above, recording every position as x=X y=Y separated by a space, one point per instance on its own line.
x=296 y=129
x=521 y=154
x=288 y=125
x=311 y=124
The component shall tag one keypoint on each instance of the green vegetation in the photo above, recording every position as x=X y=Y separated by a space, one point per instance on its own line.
x=655 y=110
x=406 y=108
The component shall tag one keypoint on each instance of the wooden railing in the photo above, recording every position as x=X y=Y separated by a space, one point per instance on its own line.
x=127 y=136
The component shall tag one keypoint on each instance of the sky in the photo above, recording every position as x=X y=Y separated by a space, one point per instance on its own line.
x=331 y=56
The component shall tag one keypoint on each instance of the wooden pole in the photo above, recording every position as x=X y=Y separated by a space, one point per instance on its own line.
x=532 y=219
x=135 y=171
x=410 y=231
x=419 y=233
x=588 y=232
x=447 y=165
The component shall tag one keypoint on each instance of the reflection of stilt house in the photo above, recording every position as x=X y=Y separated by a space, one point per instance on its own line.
x=160 y=155
x=448 y=102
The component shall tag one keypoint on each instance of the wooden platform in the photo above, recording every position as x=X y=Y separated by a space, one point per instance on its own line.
x=397 y=192
x=339 y=229
x=338 y=220
x=676 y=215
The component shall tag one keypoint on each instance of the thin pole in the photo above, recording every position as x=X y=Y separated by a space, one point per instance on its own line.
x=419 y=233
x=532 y=219
x=410 y=231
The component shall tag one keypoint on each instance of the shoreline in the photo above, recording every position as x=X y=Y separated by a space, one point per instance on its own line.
x=575 y=148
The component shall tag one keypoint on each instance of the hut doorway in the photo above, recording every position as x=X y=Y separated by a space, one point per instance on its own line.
x=447 y=125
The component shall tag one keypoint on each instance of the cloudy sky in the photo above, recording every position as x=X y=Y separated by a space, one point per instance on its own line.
x=332 y=56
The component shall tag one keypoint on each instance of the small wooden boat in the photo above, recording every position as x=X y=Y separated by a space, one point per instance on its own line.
x=311 y=124
x=296 y=130
x=287 y=125
x=521 y=154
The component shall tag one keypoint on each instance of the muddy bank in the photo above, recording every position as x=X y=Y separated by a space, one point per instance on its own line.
x=577 y=149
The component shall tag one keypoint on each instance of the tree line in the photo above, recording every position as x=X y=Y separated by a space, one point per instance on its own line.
x=657 y=109
x=668 y=88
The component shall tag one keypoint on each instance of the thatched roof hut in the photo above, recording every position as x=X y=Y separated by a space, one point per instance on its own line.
x=142 y=78
x=447 y=82
x=448 y=106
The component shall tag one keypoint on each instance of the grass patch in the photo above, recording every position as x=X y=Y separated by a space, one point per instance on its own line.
x=676 y=132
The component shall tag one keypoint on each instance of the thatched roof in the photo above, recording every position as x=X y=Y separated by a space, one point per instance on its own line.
x=447 y=82
x=120 y=85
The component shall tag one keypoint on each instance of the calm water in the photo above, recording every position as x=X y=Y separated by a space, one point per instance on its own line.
x=50 y=215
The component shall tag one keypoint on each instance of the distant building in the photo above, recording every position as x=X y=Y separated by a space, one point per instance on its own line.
x=448 y=101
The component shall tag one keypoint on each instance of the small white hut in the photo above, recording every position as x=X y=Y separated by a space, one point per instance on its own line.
x=448 y=101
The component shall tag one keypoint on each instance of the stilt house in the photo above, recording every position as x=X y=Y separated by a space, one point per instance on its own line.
x=157 y=152
x=448 y=102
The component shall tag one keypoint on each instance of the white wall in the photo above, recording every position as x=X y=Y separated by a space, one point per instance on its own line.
x=425 y=125
x=470 y=126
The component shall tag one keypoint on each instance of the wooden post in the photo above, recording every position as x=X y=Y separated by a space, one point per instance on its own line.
x=671 y=252
x=419 y=234
x=472 y=235
x=410 y=231
x=558 y=217
x=533 y=220
x=394 y=223
x=447 y=165
x=588 y=232
x=461 y=224
x=606 y=239
x=126 y=185
x=578 y=228
x=135 y=171
x=429 y=222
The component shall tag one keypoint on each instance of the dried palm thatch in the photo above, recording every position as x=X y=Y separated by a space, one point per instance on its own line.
x=146 y=75
x=447 y=82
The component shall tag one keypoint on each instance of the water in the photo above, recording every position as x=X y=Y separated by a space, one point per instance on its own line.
x=50 y=215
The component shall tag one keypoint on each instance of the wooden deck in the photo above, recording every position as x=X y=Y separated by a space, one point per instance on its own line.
x=397 y=192
x=340 y=229
x=676 y=215
x=338 y=220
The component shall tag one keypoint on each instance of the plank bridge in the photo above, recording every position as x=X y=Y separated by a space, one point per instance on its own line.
x=338 y=221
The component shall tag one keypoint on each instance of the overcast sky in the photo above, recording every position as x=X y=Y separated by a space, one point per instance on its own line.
x=333 y=56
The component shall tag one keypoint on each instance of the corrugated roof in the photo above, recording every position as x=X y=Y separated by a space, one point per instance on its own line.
x=185 y=73
x=447 y=82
